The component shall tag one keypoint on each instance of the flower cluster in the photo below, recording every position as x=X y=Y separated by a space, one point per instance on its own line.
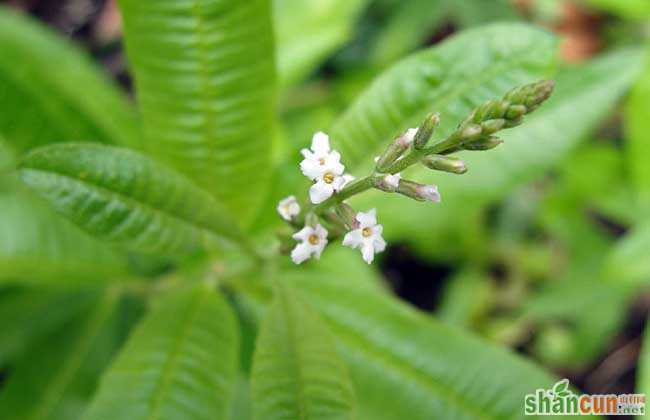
x=327 y=211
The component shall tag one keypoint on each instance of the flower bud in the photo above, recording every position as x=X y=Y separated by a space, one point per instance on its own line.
x=426 y=131
x=395 y=150
x=492 y=126
x=347 y=214
x=311 y=219
x=419 y=192
x=388 y=182
x=445 y=163
x=516 y=111
x=470 y=133
x=485 y=143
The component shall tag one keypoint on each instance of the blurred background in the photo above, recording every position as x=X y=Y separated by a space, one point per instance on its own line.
x=523 y=269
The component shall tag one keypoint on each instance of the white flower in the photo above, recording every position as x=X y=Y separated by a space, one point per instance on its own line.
x=326 y=185
x=429 y=192
x=392 y=181
x=312 y=242
x=289 y=208
x=367 y=237
x=320 y=160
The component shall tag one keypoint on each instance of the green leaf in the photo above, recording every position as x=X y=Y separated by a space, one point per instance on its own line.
x=628 y=261
x=27 y=315
x=204 y=75
x=467 y=297
x=630 y=9
x=407 y=27
x=127 y=198
x=637 y=126
x=307 y=31
x=452 y=78
x=37 y=245
x=179 y=363
x=583 y=97
x=42 y=103
x=297 y=374
x=57 y=377
x=405 y=364
x=414 y=21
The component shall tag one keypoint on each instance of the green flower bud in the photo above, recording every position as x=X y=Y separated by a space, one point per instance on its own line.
x=516 y=112
x=470 y=133
x=426 y=131
x=492 y=126
x=419 y=192
x=347 y=214
x=485 y=143
x=445 y=163
x=311 y=219
x=395 y=150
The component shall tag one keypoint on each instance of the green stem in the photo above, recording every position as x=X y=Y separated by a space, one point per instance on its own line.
x=354 y=188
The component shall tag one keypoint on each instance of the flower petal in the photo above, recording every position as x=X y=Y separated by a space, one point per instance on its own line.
x=338 y=183
x=320 y=192
x=301 y=252
x=379 y=244
x=368 y=253
x=311 y=168
x=353 y=239
x=368 y=219
x=303 y=234
x=320 y=143
x=321 y=232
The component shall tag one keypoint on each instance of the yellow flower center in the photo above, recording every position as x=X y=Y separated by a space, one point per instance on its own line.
x=366 y=232
x=328 y=177
x=321 y=161
x=313 y=239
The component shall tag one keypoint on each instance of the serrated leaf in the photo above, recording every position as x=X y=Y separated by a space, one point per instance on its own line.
x=42 y=103
x=37 y=245
x=581 y=101
x=126 y=198
x=297 y=374
x=451 y=79
x=405 y=364
x=204 y=75
x=637 y=127
x=57 y=377
x=179 y=363
x=307 y=31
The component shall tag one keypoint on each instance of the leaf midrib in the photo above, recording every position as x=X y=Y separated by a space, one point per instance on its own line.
x=295 y=357
x=164 y=384
x=192 y=224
